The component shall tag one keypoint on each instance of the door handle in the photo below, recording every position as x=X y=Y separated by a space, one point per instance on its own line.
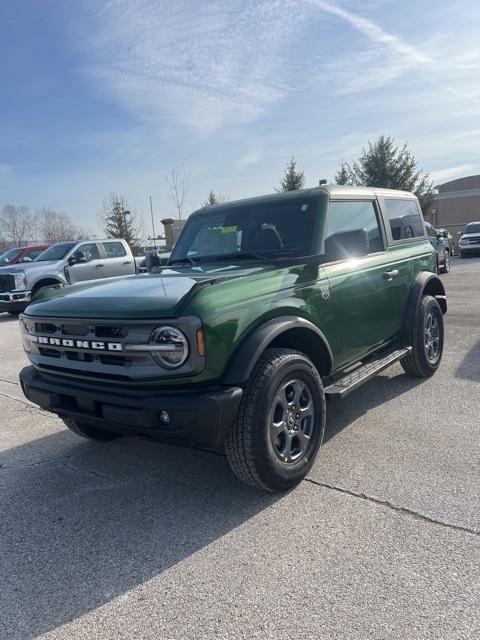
x=391 y=274
x=99 y=265
x=127 y=262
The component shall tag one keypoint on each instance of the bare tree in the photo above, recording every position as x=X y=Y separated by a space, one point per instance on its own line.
x=177 y=183
x=53 y=226
x=17 y=224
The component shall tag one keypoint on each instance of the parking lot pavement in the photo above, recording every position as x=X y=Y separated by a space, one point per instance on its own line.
x=136 y=540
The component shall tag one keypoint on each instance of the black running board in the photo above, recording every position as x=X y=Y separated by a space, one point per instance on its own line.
x=352 y=381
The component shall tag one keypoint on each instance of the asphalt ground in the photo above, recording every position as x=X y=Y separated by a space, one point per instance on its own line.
x=137 y=540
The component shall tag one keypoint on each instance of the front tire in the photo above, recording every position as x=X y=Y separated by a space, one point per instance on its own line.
x=280 y=423
x=426 y=339
x=89 y=432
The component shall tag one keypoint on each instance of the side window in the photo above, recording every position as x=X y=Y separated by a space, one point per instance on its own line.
x=36 y=252
x=87 y=252
x=114 y=249
x=351 y=216
x=405 y=218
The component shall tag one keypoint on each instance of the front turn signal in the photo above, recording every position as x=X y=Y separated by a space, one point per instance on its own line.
x=200 y=338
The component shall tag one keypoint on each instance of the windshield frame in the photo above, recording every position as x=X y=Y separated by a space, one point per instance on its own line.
x=203 y=217
x=70 y=245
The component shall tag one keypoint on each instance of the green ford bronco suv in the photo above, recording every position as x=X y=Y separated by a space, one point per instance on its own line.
x=267 y=307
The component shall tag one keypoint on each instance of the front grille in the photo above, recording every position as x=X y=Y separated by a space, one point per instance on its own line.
x=69 y=347
x=7 y=283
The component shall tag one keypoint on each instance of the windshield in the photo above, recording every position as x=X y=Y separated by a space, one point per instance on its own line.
x=256 y=231
x=57 y=252
x=472 y=228
x=9 y=256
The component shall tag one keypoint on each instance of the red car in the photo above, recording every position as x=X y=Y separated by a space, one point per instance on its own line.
x=21 y=254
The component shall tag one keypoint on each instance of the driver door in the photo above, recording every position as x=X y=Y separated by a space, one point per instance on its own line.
x=87 y=263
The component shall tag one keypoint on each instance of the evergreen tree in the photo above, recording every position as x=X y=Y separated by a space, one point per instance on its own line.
x=119 y=222
x=213 y=198
x=292 y=179
x=343 y=174
x=384 y=164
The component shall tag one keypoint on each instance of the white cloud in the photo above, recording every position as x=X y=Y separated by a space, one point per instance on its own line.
x=374 y=32
x=206 y=65
x=249 y=159
x=452 y=172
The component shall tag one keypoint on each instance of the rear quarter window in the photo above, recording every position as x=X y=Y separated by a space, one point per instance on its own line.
x=405 y=218
x=114 y=249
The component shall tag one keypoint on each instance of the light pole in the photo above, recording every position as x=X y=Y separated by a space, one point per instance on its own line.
x=125 y=214
x=153 y=227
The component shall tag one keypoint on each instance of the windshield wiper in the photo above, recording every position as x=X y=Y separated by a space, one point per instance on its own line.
x=244 y=255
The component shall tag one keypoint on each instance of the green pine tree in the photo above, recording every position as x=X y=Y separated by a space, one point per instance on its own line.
x=292 y=179
x=119 y=222
x=213 y=198
x=384 y=164
x=343 y=174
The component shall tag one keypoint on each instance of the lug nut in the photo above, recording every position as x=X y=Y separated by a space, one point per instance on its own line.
x=164 y=417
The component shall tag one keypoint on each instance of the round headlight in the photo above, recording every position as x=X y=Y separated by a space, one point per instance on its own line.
x=169 y=347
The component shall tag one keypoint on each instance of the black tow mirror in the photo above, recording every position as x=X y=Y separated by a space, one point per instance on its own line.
x=77 y=258
x=347 y=244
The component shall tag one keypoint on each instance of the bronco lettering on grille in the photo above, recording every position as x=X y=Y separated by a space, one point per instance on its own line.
x=78 y=344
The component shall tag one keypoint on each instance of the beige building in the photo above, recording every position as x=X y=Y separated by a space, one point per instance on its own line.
x=456 y=203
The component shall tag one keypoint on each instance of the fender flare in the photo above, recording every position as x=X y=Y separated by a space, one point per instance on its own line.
x=424 y=280
x=241 y=365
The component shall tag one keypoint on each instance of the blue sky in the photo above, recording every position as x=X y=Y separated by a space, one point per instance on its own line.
x=105 y=96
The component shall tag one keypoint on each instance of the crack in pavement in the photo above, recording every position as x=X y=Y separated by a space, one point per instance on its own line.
x=402 y=510
x=9 y=382
x=25 y=404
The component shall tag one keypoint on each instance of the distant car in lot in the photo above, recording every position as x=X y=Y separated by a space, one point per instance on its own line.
x=445 y=233
x=469 y=242
x=441 y=246
x=63 y=264
x=21 y=254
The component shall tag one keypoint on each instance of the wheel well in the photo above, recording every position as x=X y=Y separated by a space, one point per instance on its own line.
x=46 y=282
x=435 y=288
x=307 y=342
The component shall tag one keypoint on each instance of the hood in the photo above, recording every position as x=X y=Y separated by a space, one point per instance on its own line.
x=25 y=266
x=145 y=296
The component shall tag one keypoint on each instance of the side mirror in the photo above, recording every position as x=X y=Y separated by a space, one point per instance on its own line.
x=26 y=259
x=347 y=244
x=80 y=256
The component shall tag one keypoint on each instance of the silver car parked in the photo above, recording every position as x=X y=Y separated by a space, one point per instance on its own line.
x=63 y=264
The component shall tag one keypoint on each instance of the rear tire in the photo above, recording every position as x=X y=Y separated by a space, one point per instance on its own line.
x=280 y=423
x=426 y=339
x=87 y=431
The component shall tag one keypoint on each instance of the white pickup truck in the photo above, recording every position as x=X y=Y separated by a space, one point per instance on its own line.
x=63 y=264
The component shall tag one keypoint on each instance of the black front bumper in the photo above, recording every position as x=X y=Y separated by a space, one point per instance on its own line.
x=198 y=418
